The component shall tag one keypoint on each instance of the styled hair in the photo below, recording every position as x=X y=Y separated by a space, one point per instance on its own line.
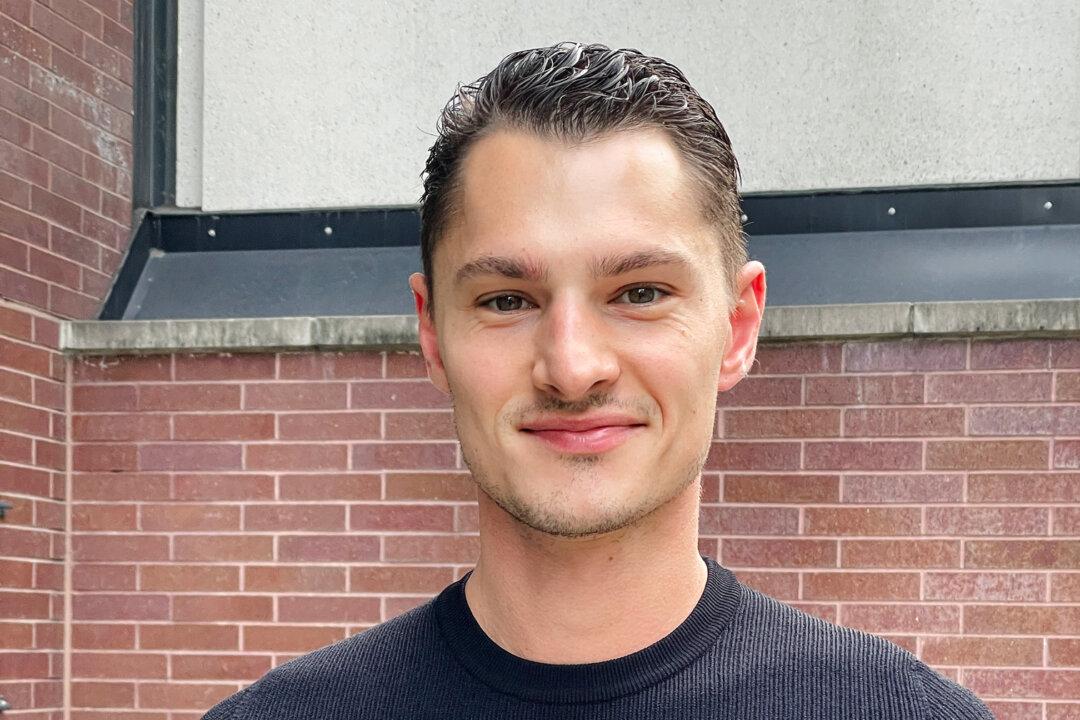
x=574 y=92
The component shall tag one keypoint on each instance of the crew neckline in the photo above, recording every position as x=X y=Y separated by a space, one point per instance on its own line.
x=587 y=682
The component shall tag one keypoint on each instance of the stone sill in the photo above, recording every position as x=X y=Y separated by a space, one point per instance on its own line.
x=793 y=323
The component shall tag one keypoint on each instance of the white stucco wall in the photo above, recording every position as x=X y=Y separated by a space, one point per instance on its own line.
x=328 y=103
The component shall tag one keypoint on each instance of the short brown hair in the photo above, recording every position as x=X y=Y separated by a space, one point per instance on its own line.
x=574 y=92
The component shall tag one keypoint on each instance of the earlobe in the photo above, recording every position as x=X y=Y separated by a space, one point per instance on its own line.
x=429 y=342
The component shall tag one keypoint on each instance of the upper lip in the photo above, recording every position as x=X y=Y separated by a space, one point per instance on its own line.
x=579 y=424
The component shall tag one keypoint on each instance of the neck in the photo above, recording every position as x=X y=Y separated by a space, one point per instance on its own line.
x=579 y=600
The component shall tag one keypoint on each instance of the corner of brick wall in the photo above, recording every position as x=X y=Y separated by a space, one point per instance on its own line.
x=65 y=154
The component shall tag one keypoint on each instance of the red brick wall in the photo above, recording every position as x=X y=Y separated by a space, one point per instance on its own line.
x=230 y=512
x=65 y=150
x=65 y=180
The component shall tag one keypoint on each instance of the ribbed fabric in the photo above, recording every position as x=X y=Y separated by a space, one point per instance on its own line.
x=740 y=655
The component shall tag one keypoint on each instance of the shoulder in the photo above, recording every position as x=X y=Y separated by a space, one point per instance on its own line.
x=354 y=670
x=844 y=666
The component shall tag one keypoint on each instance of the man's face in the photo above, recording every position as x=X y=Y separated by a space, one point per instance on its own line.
x=580 y=326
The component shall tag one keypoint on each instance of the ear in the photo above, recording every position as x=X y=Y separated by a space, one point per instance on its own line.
x=429 y=341
x=745 y=321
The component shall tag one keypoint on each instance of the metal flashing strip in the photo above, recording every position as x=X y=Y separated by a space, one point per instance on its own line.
x=999 y=318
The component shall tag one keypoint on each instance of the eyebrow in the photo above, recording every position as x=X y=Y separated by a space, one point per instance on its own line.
x=610 y=266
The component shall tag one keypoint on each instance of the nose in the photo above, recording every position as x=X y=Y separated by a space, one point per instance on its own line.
x=574 y=353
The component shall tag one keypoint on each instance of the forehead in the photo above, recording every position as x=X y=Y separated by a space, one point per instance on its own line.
x=521 y=193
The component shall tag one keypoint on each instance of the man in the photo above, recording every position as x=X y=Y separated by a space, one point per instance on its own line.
x=586 y=293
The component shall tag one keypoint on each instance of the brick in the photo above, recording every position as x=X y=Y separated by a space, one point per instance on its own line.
x=17 y=665
x=86 y=517
x=430 y=486
x=781 y=488
x=399 y=579
x=103 y=398
x=395 y=518
x=16 y=574
x=225 y=366
x=862 y=455
x=103 y=636
x=330 y=365
x=55 y=28
x=117 y=665
x=1049 y=684
x=59 y=152
x=779 y=585
x=188 y=636
x=896 y=356
x=1066 y=521
x=294 y=517
x=420 y=426
x=328 y=609
x=70 y=304
x=778 y=553
x=987 y=454
x=404 y=456
x=988 y=387
x=103 y=694
x=120 y=486
x=16 y=386
x=23 y=103
x=24 y=605
x=120 y=426
x=176 y=577
x=466 y=518
x=189 y=456
x=919 y=489
x=985 y=586
x=1060 y=420
x=237 y=548
x=1025 y=488
x=1058 y=711
x=915 y=554
x=1067 y=387
x=231 y=426
x=763 y=391
x=1021 y=619
x=294 y=578
x=733 y=455
x=104 y=457
x=861 y=521
x=431 y=548
x=397 y=395
x=407 y=365
x=19 y=287
x=189 y=397
x=329 y=426
x=781 y=423
x=216 y=486
x=1067 y=454
x=798 y=359
x=103 y=576
x=895 y=618
x=296 y=456
x=327 y=548
x=968 y=521
x=903 y=422
x=182 y=696
x=331 y=486
x=218 y=667
x=289 y=638
x=982 y=651
x=860 y=586
x=1023 y=554
x=25 y=542
x=214 y=608
x=24 y=419
x=1009 y=354
x=749 y=521
x=127 y=607
x=120 y=548
x=25 y=358
x=1064 y=651
x=1065 y=353
x=121 y=368
x=296 y=396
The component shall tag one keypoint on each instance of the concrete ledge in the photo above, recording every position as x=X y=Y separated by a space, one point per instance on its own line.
x=1035 y=318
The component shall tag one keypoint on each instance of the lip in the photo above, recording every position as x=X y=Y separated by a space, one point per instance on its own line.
x=594 y=434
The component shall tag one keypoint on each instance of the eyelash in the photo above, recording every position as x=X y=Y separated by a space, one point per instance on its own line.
x=659 y=291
